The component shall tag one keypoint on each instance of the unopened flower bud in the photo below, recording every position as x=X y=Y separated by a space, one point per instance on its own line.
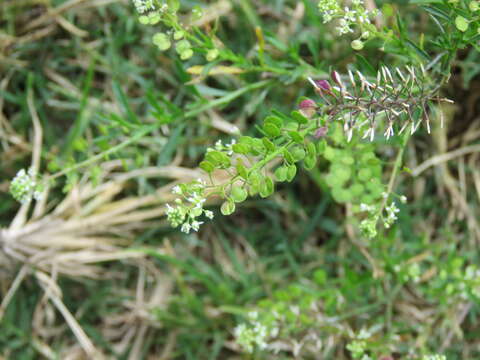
x=320 y=132
x=308 y=108
x=212 y=54
x=323 y=85
x=336 y=77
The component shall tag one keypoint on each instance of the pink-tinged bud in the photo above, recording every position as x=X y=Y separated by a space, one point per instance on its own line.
x=307 y=103
x=320 y=132
x=308 y=107
x=336 y=77
x=323 y=85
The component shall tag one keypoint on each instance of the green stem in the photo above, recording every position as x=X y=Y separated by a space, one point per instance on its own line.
x=260 y=164
x=112 y=150
x=147 y=129
x=395 y=171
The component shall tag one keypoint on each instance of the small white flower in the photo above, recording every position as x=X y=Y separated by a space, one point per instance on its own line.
x=365 y=207
x=274 y=332
x=186 y=228
x=230 y=147
x=370 y=132
x=327 y=18
x=209 y=214
x=253 y=315
x=362 y=18
x=196 y=225
x=349 y=15
x=177 y=190
x=143 y=5
x=364 y=334
x=389 y=132
x=38 y=195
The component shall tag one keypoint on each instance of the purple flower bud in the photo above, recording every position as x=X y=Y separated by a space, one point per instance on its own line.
x=320 y=132
x=336 y=77
x=323 y=84
x=306 y=104
x=308 y=108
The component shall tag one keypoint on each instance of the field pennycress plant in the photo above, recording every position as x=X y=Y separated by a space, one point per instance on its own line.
x=341 y=127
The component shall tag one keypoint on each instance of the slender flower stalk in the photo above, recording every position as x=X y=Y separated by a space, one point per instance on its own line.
x=395 y=100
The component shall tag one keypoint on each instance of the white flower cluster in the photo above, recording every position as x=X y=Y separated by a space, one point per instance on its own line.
x=143 y=6
x=434 y=357
x=368 y=225
x=368 y=208
x=392 y=210
x=24 y=186
x=357 y=348
x=219 y=146
x=414 y=272
x=186 y=211
x=253 y=334
x=348 y=17
x=462 y=283
x=408 y=272
x=329 y=9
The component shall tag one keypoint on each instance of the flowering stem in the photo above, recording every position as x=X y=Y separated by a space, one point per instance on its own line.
x=147 y=129
x=260 y=164
x=393 y=176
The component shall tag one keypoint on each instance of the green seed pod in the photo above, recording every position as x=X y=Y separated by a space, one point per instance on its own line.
x=277 y=121
x=182 y=46
x=357 y=45
x=343 y=173
x=154 y=18
x=207 y=166
x=212 y=54
x=241 y=169
x=329 y=153
x=271 y=130
x=187 y=54
x=238 y=194
x=461 y=23
x=179 y=34
x=144 y=20
x=309 y=162
x=298 y=153
x=292 y=171
x=281 y=173
x=228 y=207
x=347 y=160
x=266 y=187
x=162 y=41
x=341 y=195
x=357 y=189
x=364 y=174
